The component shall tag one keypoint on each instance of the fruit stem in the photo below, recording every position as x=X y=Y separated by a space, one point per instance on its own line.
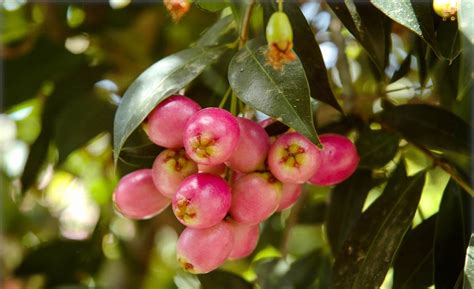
x=280 y=5
x=244 y=33
x=233 y=104
x=225 y=97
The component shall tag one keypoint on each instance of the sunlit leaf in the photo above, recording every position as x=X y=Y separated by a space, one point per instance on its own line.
x=368 y=25
x=283 y=94
x=155 y=84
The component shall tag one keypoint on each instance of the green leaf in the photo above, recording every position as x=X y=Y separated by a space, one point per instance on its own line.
x=376 y=147
x=421 y=52
x=413 y=267
x=452 y=235
x=402 y=70
x=61 y=261
x=223 y=31
x=283 y=94
x=431 y=127
x=447 y=35
x=95 y=115
x=155 y=84
x=415 y=15
x=308 y=51
x=371 y=246
x=368 y=25
x=469 y=266
x=268 y=275
x=345 y=206
x=211 y=5
x=221 y=279
x=304 y=271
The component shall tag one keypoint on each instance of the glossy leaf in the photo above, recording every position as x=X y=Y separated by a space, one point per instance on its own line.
x=376 y=147
x=368 y=25
x=155 y=84
x=371 y=246
x=429 y=126
x=413 y=267
x=345 y=206
x=308 y=51
x=402 y=70
x=452 y=236
x=415 y=15
x=223 y=31
x=283 y=94
x=469 y=266
x=221 y=279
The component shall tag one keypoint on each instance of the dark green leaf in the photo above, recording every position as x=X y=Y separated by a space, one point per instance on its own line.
x=283 y=94
x=303 y=272
x=211 y=5
x=36 y=158
x=267 y=275
x=413 y=267
x=368 y=25
x=402 y=70
x=308 y=51
x=445 y=81
x=376 y=147
x=80 y=121
x=221 y=279
x=51 y=259
x=469 y=266
x=24 y=76
x=421 y=53
x=345 y=206
x=430 y=127
x=452 y=236
x=371 y=246
x=447 y=35
x=223 y=31
x=159 y=81
x=415 y=15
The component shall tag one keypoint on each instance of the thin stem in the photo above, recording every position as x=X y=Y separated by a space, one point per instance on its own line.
x=233 y=104
x=244 y=33
x=225 y=97
x=280 y=5
x=407 y=87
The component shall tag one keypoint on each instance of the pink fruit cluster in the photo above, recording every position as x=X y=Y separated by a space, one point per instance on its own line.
x=223 y=176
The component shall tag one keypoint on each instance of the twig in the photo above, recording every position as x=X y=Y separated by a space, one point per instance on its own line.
x=244 y=33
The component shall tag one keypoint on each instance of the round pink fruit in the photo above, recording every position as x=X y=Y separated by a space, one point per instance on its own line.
x=339 y=159
x=203 y=250
x=245 y=239
x=166 y=123
x=255 y=197
x=289 y=196
x=202 y=200
x=211 y=136
x=252 y=147
x=170 y=168
x=136 y=196
x=293 y=158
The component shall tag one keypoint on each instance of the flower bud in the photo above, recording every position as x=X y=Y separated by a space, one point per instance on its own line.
x=446 y=8
x=280 y=40
x=177 y=8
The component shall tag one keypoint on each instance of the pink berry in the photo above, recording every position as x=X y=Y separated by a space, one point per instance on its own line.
x=167 y=121
x=252 y=147
x=136 y=196
x=211 y=136
x=203 y=250
x=170 y=168
x=216 y=169
x=293 y=158
x=202 y=200
x=255 y=197
x=339 y=159
x=266 y=122
x=289 y=196
x=245 y=239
